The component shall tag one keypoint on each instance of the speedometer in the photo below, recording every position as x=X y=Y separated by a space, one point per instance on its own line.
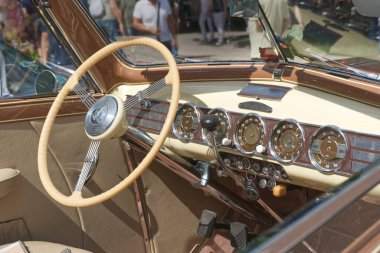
x=287 y=141
x=328 y=149
x=222 y=130
x=249 y=133
x=186 y=123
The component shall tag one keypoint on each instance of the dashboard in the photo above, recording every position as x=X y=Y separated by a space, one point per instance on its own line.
x=287 y=141
x=313 y=138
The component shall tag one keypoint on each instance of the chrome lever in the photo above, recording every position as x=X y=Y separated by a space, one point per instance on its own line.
x=203 y=169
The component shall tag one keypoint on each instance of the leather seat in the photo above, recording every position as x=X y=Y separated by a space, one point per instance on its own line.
x=48 y=247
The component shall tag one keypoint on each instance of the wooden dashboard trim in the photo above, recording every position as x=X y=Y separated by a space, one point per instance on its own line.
x=347 y=87
x=12 y=110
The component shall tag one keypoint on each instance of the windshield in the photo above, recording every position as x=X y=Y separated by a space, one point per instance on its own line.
x=215 y=31
x=195 y=31
x=322 y=32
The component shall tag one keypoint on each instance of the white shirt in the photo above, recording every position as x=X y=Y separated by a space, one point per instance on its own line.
x=147 y=11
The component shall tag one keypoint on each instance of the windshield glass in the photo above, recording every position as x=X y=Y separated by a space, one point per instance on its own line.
x=32 y=61
x=326 y=33
x=195 y=31
x=309 y=32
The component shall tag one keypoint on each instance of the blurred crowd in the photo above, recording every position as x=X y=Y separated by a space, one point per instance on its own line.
x=153 y=18
x=21 y=26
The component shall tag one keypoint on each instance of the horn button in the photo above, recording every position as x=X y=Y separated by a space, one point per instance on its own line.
x=101 y=116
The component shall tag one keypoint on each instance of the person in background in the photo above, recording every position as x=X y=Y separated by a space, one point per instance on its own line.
x=373 y=28
x=109 y=19
x=51 y=51
x=175 y=14
x=205 y=17
x=2 y=27
x=154 y=18
x=297 y=13
x=278 y=15
x=126 y=7
x=218 y=15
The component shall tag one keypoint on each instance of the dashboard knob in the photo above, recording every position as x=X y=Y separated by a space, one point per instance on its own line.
x=277 y=174
x=267 y=170
x=226 y=142
x=261 y=149
x=210 y=122
x=263 y=183
x=271 y=184
x=227 y=162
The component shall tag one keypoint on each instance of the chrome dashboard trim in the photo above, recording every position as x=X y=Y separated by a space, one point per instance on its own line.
x=312 y=160
x=271 y=148
x=366 y=144
x=198 y=116
x=236 y=141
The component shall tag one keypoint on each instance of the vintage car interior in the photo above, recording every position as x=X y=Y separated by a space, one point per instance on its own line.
x=131 y=148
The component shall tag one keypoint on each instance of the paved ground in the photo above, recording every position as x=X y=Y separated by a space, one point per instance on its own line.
x=189 y=46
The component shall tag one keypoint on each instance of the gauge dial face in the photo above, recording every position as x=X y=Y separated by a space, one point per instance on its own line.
x=287 y=141
x=249 y=133
x=222 y=130
x=328 y=149
x=186 y=123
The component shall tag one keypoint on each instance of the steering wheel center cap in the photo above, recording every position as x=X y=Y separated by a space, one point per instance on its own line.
x=99 y=115
x=105 y=118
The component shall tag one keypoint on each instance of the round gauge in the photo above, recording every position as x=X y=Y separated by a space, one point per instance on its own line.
x=222 y=130
x=186 y=123
x=287 y=141
x=45 y=83
x=249 y=133
x=328 y=149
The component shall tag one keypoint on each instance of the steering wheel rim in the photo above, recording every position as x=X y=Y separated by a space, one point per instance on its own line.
x=172 y=78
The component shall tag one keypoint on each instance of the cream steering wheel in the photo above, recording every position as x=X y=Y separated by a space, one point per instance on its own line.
x=116 y=127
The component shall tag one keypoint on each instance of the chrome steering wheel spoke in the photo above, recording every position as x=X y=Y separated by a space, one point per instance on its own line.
x=141 y=95
x=85 y=96
x=89 y=165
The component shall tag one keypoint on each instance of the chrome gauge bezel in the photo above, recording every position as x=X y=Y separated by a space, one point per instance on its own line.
x=176 y=133
x=242 y=119
x=311 y=157
x=204 y=131
x=273 y=151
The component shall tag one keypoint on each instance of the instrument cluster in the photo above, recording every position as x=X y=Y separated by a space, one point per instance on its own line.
x=287 y=141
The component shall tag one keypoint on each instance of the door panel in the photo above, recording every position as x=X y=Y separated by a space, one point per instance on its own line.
x=110 y=227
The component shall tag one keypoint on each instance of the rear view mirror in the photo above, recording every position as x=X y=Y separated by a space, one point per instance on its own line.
x=46 y=83
x=244 y=8
x=369 y=8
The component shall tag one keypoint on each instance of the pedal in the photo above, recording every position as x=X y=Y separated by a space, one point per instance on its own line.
x=206 y=224
x=239 y=235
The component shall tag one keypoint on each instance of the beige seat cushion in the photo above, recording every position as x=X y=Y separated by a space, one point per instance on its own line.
x=48 y=247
